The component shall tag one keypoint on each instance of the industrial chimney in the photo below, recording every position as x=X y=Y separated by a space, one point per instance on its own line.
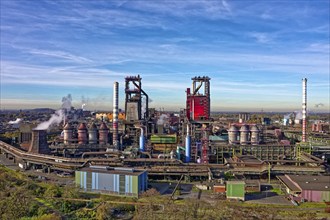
x=188 y=145
x=115 y=116
x=304 y=108
x=39 y=142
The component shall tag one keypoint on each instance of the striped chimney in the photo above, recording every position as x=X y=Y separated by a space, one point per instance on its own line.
x=304 y=108
x=115 y=115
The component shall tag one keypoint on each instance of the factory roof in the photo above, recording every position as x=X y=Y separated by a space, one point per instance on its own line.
x=249 y=159
x=306 y=182
x=113 y=170
x=235 y=182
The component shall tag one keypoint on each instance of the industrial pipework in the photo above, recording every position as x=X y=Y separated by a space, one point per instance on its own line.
x=188 y=145
x=304 y=108
x=142 y=140
x=115 y=116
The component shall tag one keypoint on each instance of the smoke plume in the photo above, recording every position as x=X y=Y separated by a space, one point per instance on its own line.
x=319 y=105
x=17 y=121
x=288 y=116
x=298 y=115
x=66 y=102
x=58 y=116
x=162 y=119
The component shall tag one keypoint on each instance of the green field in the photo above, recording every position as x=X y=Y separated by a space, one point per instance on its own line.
x=23 y=197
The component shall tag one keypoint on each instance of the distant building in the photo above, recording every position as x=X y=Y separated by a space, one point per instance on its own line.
x=115 y=181
x=266 y=121
x=307 y=187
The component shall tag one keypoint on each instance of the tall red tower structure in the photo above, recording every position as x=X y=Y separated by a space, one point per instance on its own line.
x=198 y=104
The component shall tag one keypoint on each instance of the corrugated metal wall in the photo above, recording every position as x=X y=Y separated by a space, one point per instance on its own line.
x=235 y=190
x=315 y=196
x=127 y=185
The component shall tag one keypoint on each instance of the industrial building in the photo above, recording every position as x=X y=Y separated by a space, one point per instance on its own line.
x=115 y=181
x=235 y=190
x=169 y=145
x=306 y=188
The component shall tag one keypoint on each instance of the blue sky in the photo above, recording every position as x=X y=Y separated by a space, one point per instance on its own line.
x=255 y=52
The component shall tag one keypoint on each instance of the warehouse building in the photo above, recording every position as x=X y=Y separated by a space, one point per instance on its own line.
x=115 y=181
x=302 y=188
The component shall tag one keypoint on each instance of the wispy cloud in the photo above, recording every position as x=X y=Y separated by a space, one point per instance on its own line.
x=261 y=37
x=246 y=47
x=60 y=54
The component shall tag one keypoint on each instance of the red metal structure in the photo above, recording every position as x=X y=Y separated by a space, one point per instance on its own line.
x=198 y=105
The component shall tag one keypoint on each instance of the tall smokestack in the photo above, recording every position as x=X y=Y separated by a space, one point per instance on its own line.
x=304 y=108
x=115 y=115
x=188 y=145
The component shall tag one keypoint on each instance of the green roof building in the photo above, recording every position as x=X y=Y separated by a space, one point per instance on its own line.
x=235 y=190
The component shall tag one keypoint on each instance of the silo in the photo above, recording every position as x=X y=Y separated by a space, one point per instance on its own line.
x=244 y=134
x=232 y=134
x=92 y=134
x=255 y=135
x=103 y=133
x=67 y=133
x=82 y=134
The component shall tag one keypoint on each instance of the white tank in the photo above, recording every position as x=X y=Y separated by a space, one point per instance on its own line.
x=92 y=134
x=255 y=135
x=232 y=134
x=244 y=134
x=67 y=133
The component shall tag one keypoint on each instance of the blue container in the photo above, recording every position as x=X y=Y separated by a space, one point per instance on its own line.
x=188 y=148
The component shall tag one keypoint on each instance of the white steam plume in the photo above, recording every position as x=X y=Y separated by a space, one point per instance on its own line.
x=162 y=119
x=58 y=116
x=298 y=115
x=319 y=105
x=66 y=102
x=17 y=121
x=288 y=116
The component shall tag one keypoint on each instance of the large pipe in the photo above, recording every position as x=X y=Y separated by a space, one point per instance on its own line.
x=188 y=145
x=142 y=140
x=115 y=116
x=304 y=108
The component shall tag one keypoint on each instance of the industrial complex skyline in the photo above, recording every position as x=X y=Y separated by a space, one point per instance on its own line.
x=255 y=52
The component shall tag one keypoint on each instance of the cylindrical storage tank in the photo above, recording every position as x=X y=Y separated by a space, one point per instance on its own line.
x=103 y=134
x=255 y=135
x=92 y=134
x=142 y=141
x=82 y=134
x=232 y=134
x=67 y=133
x=244 y=134
x=188 y=148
